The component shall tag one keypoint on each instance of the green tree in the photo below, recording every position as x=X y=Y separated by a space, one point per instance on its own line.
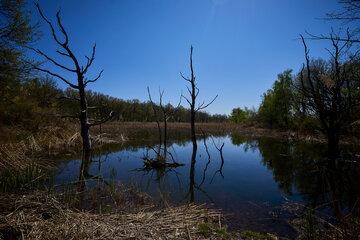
x=276 y=107
x=239 y=115
x=16 y=32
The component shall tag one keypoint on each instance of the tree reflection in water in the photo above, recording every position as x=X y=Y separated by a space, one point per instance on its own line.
x=192 y=183
x=323 y=184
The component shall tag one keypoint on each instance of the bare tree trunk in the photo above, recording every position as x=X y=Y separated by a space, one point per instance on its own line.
x=194 y=92
x=193 y=102
x=84 y=123
x=153 y=106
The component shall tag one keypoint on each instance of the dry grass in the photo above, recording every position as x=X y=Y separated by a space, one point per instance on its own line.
x=49 y=141
x=41 y=216
x=13 y=156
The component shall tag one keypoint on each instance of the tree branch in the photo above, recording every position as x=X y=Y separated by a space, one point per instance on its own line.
x=49 y=23
x=52 y=60
x=62 y=28
x=62 y=53
x=95 y=79
x=203 y=106
x=58 y=76
x=185 y=78
x=90 y=60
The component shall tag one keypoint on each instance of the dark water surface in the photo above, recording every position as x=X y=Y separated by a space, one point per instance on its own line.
x=253 y=183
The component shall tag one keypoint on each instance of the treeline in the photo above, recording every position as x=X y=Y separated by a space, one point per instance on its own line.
x=39 y=101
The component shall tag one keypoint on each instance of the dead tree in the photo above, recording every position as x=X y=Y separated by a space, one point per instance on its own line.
x=79 y=71
x=156 y=115
x=165 y=116
x=194 y=92
x=330 y=92
x=162 y=113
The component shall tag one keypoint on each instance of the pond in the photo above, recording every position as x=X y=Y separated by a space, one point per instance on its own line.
x=251 y=180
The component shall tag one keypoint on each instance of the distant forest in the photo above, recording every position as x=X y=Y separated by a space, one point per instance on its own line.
x=35 y=101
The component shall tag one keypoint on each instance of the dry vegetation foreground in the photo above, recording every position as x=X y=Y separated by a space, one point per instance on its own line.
x=39 y=216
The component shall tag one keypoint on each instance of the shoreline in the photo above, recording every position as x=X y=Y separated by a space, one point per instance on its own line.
x=53 y=142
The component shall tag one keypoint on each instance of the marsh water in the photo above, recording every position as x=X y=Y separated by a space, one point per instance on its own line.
x=254 y=181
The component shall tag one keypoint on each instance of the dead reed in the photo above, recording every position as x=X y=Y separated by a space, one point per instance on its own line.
x=42 y=216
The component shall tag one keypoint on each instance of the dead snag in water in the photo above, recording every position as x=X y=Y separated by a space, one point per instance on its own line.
x=164 y=116
x=194 y=92
x=79 y=71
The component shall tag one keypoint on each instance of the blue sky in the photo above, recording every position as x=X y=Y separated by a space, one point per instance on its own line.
x=239 y=45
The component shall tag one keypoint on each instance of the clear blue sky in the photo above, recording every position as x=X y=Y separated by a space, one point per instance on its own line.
x=239 y=45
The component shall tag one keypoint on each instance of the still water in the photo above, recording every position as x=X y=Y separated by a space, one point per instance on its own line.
x=251 y=180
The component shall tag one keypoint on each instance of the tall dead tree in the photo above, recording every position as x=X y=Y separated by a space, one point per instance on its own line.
x=194 y=92
x=79 y=71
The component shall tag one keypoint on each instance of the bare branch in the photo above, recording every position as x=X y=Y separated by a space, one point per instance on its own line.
x=38 y=51
x=49 y=23
x=186 y=99
x=64 y=45
x=58 y=76
x=90 y=60
x=95 y=79
x=348 y=37
x=62 y=28
x=185 y=78
x=203 y=105
x=62 y=53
